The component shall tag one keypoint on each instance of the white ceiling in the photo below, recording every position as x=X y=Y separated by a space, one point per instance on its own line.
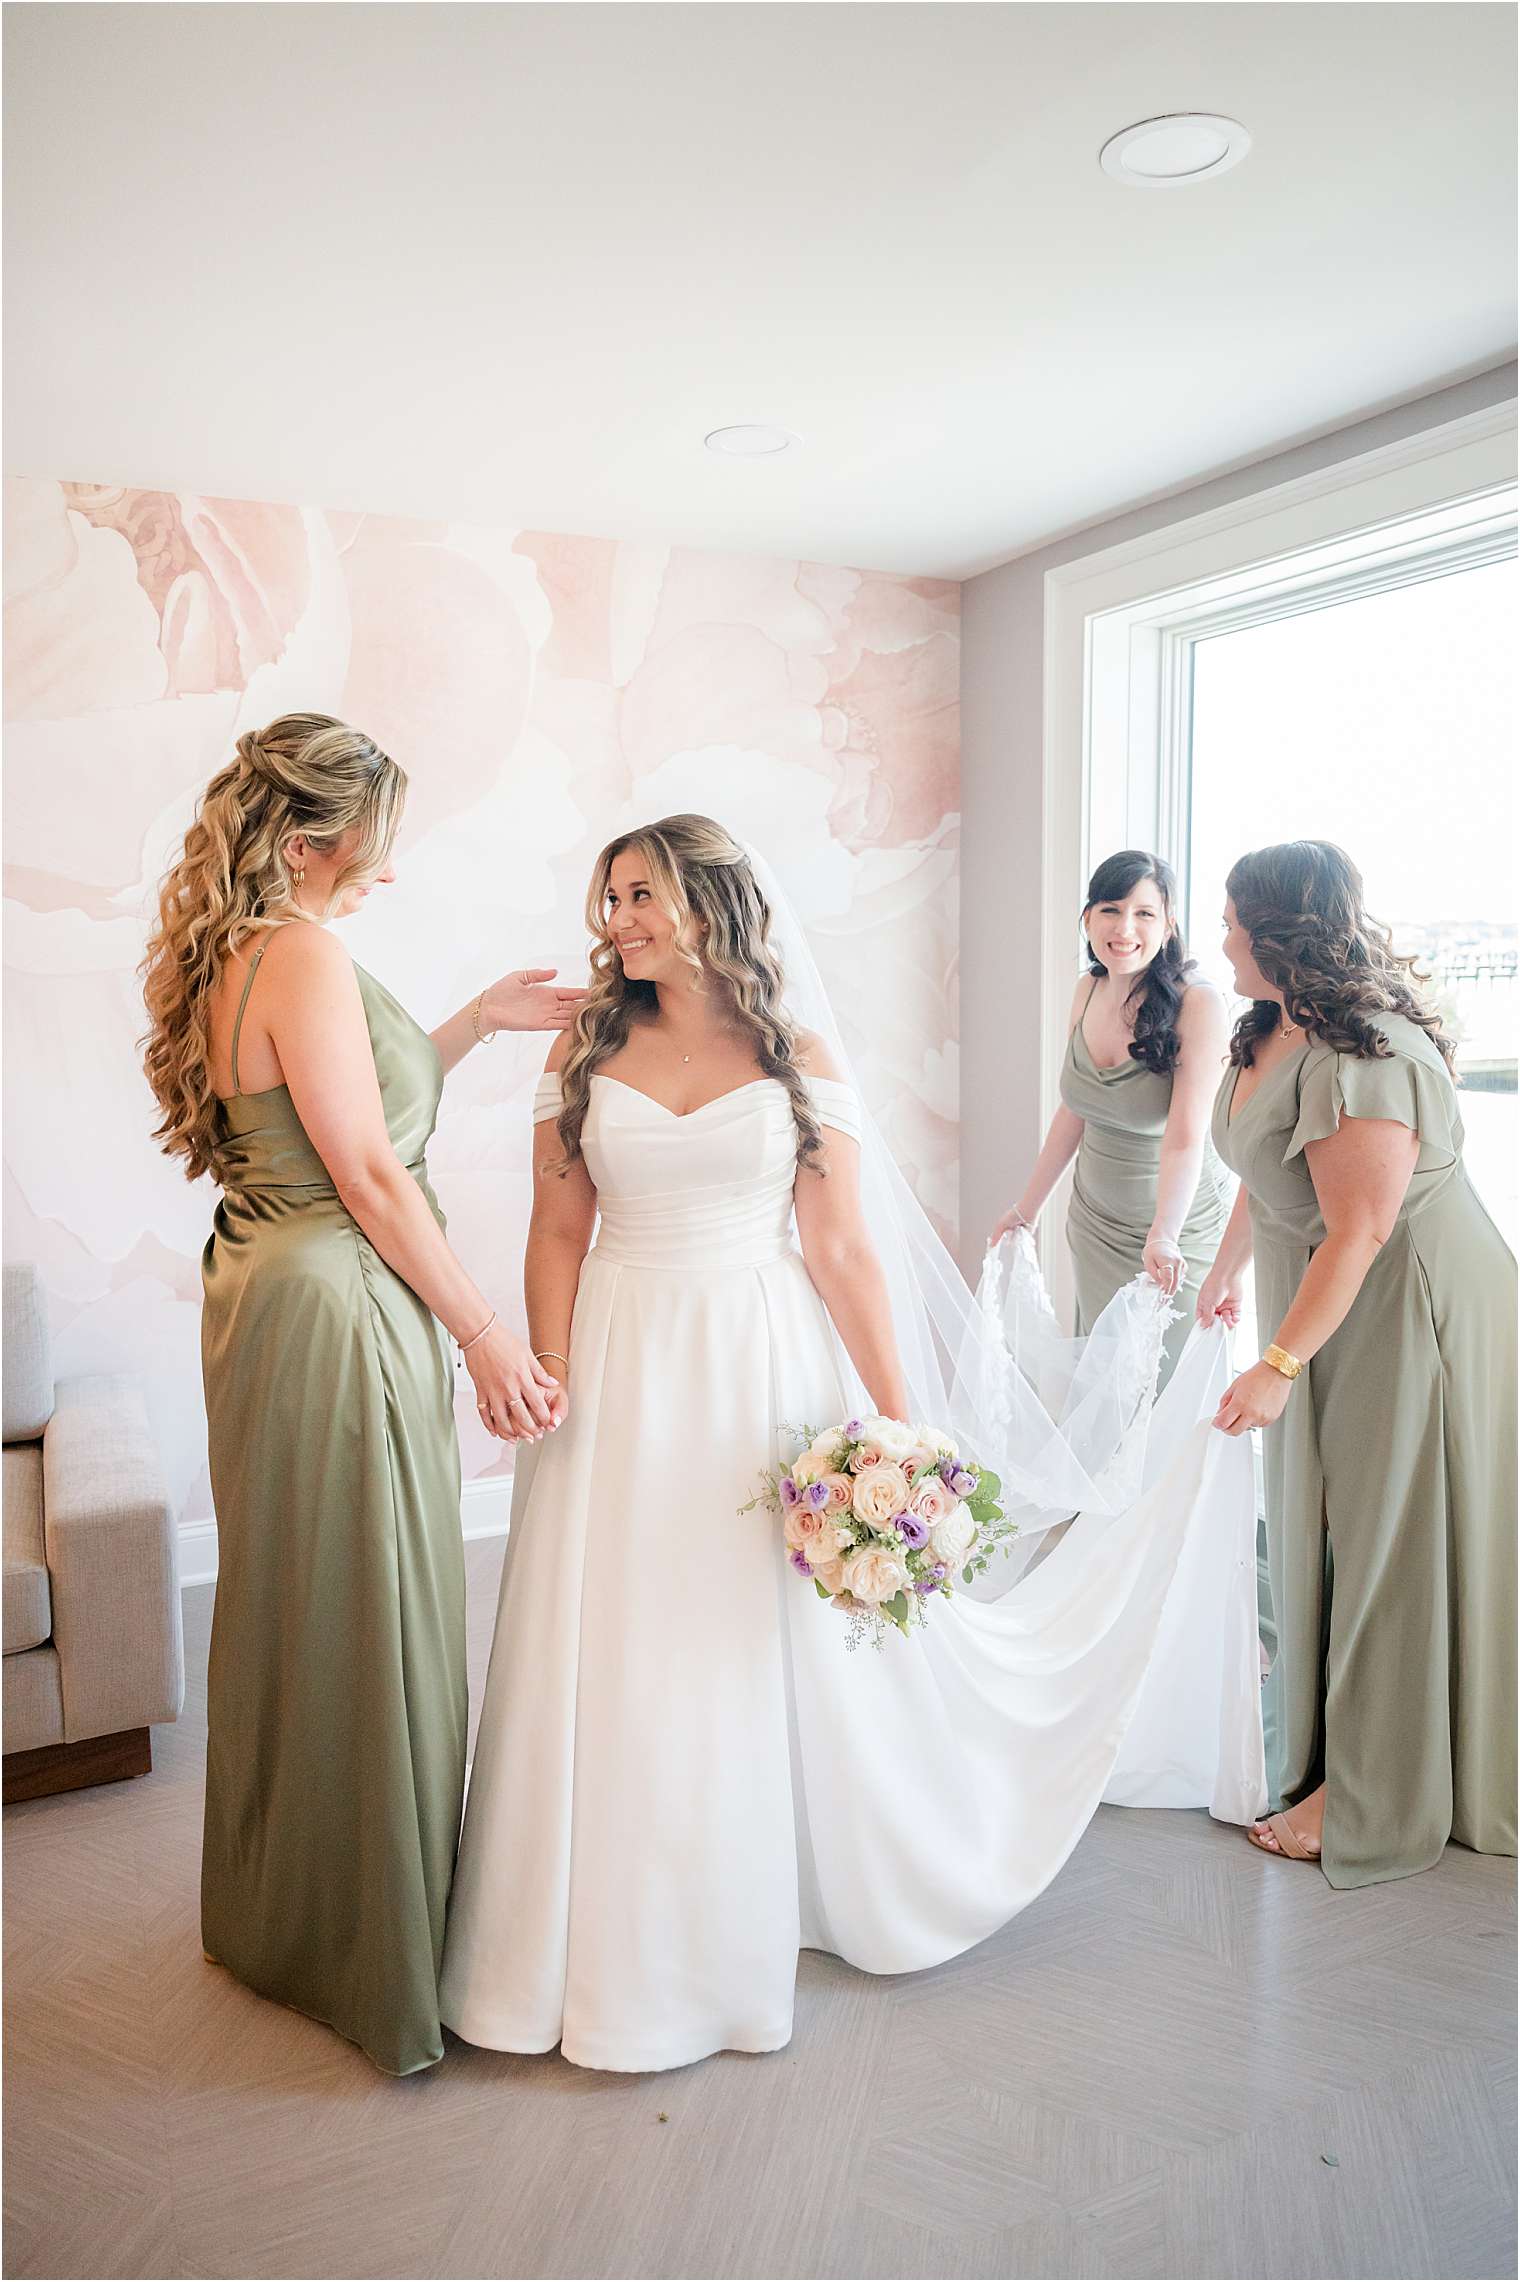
x=510 y=263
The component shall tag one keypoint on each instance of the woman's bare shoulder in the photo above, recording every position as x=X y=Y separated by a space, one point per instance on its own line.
x=299 y=956
x=814 y=1058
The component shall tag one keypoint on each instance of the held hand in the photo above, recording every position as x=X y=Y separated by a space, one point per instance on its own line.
x=559 y=1401
x=1163 y=1262
x=1010 y=1224
x=1219 y=1300
x=514 y=1393
x=529 y=1000
x=1257 y=1398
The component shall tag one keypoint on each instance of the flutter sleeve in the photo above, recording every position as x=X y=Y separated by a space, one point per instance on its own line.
x=1398 y=1087
x=548 y=1099
x=835 y=1104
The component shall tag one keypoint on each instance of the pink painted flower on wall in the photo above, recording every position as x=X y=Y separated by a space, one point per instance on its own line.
x=227 y=578
x=440 y=666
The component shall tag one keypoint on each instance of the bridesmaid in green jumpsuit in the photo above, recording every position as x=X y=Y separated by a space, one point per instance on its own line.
x=336 y=1696
x=1387 y=1388
x=1145 y=1047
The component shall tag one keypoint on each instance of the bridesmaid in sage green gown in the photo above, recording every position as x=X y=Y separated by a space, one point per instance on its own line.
x=1143 y=1055
x=1387 y=1389
x=336 y=1692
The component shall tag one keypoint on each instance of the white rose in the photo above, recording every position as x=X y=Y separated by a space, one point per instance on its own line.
x=952 y=1538
x=892 y=1438
x=873 y=1575
x=880 y=1495
x=825 y=1546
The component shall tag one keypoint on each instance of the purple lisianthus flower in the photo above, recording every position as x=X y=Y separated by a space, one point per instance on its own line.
x=789 y=1490
x=947 y=1470
x=939 y=1569
x=853 y=1429
x=816 y=1495
x=927 y=1585
x=800 y=1563
x=962 y=1483
x=911 y=1530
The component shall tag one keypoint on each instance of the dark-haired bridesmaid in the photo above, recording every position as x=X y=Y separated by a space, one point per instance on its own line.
x=1388 y=1298
x=1145 y=1047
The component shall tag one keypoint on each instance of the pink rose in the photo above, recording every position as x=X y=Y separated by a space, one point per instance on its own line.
x=931 y=1500
x=869 y=1454
x=920 y=1460
x=840 y=1489
x=830 y=1574
x=807 y=1530
x=880 y=1494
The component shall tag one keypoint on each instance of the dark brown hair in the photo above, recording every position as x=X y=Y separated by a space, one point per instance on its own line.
x=1162 y=986
x=1301 y=904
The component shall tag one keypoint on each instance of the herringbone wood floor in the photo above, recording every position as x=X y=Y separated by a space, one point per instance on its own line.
x=1146 y=2074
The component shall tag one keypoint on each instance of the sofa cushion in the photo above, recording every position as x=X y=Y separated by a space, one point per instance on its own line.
x=28 y=1602
x=32 y=1700
x=28 y=1372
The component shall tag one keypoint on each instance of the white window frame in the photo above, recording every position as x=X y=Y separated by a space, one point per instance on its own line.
x=1121 y=627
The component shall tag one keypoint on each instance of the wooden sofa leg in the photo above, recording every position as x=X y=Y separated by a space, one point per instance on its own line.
x=74 y=1766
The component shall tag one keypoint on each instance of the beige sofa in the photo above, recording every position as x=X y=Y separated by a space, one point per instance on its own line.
x=94 y=1653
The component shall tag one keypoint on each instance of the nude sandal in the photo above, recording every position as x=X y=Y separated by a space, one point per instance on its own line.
x=1289 y=1844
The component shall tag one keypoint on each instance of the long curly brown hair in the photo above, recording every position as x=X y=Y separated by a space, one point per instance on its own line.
x=305 y=773
x=700 y=876
x=1311 y=935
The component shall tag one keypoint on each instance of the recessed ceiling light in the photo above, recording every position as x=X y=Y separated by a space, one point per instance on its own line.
x=750 y=440
x=1183 y=147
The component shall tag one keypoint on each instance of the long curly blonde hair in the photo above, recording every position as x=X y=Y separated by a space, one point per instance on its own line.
x=700 y=877
x=305 y=773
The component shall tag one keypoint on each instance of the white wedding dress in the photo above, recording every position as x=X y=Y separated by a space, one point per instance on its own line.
x=683 y=1775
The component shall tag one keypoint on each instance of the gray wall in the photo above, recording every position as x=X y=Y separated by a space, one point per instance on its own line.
x=1002 y=698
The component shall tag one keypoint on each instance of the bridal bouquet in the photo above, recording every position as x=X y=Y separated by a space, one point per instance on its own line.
x=882 y=1516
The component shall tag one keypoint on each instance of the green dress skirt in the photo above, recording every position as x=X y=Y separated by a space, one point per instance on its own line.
x=1390 y=1479
x=336 y=1698
x=1113 y=1197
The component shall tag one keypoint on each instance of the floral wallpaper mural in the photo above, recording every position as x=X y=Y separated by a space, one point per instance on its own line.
x=541 y=692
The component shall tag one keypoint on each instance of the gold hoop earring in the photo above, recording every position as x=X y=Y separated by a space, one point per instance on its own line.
x=298 y=875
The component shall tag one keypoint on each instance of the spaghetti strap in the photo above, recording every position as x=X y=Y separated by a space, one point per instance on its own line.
x=237 y=1020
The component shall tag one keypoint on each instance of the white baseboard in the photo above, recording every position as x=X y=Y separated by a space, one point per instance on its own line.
x=485 y=1509
x=197 y=1553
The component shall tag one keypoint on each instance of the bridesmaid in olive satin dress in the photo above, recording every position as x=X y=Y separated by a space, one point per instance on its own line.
x=1144 y=1050
x=336 y=1697
x=1385 y=1297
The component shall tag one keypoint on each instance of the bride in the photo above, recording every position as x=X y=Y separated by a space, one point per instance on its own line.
x=682 y=1775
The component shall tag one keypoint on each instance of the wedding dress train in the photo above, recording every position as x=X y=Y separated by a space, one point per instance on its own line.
x=683 y=1773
